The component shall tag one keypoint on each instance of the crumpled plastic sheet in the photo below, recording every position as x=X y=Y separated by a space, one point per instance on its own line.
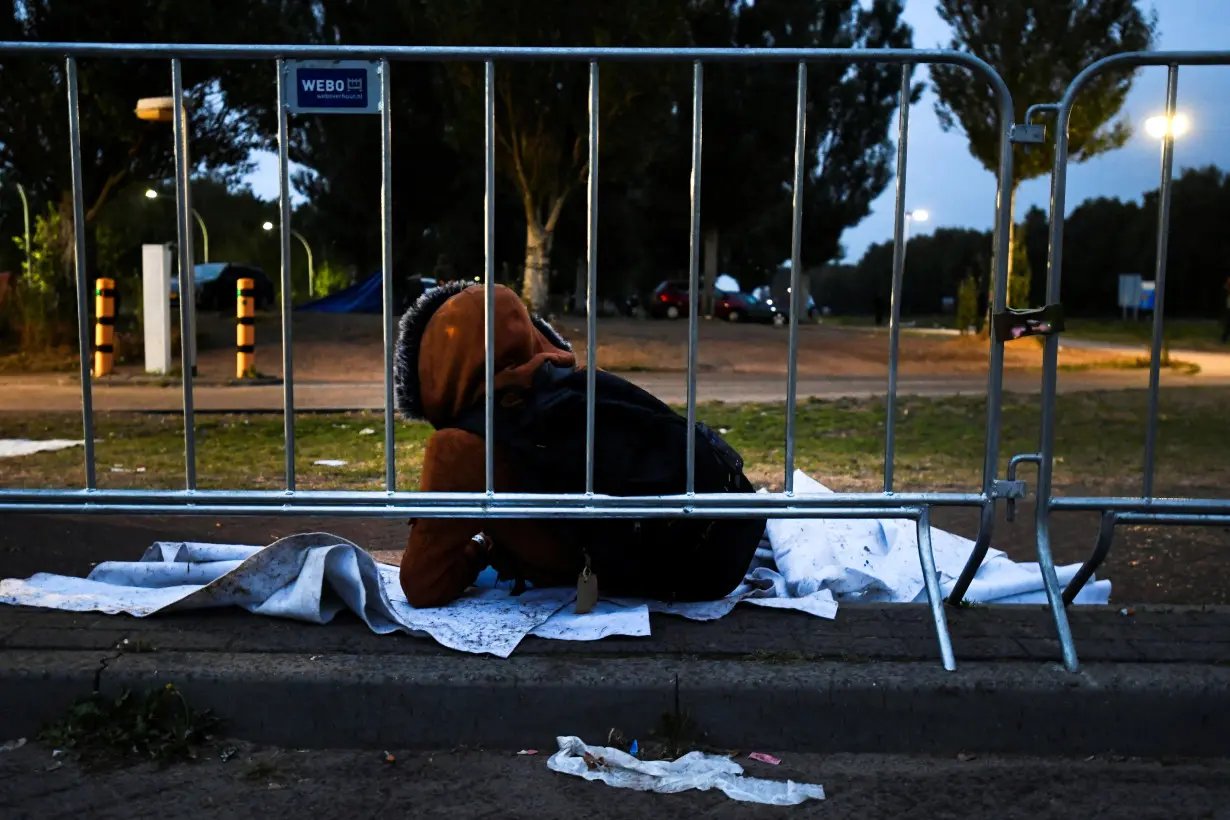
x=695 y=770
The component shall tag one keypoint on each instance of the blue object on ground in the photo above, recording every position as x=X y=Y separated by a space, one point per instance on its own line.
x=364 y=297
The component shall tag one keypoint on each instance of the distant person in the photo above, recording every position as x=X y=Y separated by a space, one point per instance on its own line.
x=639 y=447
x=879 y=309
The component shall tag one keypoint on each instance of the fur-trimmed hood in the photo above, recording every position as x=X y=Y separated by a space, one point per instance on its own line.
x=440 y=357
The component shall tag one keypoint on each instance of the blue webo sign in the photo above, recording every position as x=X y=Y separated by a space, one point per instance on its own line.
x=333 y=87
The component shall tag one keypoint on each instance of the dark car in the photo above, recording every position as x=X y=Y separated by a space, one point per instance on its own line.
x=215 y=284
x=782 y=305
x=670 y=301
x=744 y=307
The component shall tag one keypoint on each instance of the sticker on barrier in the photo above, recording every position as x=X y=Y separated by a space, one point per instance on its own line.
x=333 y=87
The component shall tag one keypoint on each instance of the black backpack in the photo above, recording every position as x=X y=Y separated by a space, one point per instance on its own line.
x=640 y=448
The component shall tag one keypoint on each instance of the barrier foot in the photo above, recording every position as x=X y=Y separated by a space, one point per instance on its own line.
x=986 y=526
x=1046 y=563
x=935 y=596
x=1101 y=547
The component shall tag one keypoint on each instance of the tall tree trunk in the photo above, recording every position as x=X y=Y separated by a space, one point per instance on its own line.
x=712 y=235
x=534 y=289
x=1011 y=253
x=580 y=289
x=1019 y=270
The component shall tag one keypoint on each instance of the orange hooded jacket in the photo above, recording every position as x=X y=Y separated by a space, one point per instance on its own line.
x=440 y=362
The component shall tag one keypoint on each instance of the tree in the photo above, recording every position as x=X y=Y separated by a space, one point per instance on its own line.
x=117 y=149
x=344 y=152
x=541 y=109
x=1038 y=47
x=749 y=131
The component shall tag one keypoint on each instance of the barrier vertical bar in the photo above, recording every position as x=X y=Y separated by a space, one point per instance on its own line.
x=104 y=326
x=489 y=271
x=698 y=90
x=1050 y=377
x=935 y=597
x=894 y=314
x=1159 y=279
x=995 y=370
x=796 y=263
x=386 y=266
x=284 y=232
x=591 y=291
x=83 y=282
x=187 y=283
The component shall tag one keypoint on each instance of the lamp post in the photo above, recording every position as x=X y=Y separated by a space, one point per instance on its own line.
x=150 y=193
x=916 y=215
x=25 y=213
x=268 y=226
x=1165 y=128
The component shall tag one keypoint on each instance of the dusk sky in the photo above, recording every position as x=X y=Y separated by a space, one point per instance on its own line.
x=943 y=178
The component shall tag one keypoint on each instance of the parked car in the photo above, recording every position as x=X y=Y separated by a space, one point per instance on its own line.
x=744 y=307
x=765 y=294
x=215 y=284
x=669 y=300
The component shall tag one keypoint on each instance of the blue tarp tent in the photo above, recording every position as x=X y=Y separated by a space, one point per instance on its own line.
x=363 y=297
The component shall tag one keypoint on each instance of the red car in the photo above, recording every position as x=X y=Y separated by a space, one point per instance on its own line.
x=670 y=301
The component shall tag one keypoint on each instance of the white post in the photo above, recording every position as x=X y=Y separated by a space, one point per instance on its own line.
x=156 y=307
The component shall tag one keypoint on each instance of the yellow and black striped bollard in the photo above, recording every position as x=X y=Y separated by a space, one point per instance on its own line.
x=245 y=329
x=104 y=327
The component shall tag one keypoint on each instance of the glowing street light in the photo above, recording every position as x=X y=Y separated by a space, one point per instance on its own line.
x=268 y=226
x=1158 y=127
x=150 y=193
x=918 y=215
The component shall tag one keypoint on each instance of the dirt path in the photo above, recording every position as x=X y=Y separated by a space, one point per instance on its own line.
x=349 y=348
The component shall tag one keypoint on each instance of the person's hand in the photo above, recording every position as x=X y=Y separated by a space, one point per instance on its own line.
x=479 y=548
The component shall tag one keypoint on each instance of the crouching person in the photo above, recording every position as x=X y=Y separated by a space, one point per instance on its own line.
x=540 y=421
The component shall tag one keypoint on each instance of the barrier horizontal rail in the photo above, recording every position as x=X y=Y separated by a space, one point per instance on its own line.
x=684 y=504
x=468 y=510
x=914 y=506
x=1140 y=505
x=222 y=51
x=1116 y=511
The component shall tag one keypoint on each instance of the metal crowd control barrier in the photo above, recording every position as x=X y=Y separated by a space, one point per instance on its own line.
x=491 y=504
x=1145 y=509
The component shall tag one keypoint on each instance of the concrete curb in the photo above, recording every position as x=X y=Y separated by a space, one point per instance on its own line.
x=341 y=700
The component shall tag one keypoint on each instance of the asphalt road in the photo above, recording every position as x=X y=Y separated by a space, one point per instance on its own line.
x=62 y=394
x=460 y=784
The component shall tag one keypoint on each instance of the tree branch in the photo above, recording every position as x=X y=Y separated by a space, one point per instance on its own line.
x=108 y=187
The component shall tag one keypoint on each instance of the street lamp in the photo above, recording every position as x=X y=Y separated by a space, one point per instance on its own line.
x=25 y=213
x=268 y=226
x=150 y=193
x=916 y=215
x=1158 y=127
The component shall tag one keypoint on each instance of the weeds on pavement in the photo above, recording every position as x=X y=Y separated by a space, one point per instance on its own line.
x=158 y=725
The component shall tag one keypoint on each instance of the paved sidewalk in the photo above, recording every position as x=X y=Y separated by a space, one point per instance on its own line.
x=457 y=783
x=1153 y=682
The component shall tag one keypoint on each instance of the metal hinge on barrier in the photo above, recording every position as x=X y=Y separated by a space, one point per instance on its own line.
x=1010 y=489
x=1017 y=324
x=1029 y=134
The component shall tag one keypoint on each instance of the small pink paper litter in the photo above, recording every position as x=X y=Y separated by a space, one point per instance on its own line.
x=764 y=758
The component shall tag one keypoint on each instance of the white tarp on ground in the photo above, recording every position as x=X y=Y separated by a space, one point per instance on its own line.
x=811 y=565
x=12 y=447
